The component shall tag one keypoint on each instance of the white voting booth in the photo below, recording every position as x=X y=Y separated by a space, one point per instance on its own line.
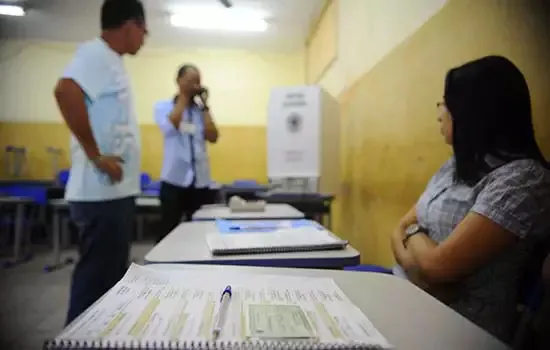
x=303 y=139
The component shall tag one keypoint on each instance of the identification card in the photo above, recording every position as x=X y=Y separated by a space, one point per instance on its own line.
x=188 y=128
x=267 y=321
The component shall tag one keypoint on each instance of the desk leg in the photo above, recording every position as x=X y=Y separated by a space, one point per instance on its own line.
x=18 y=235
x=56 y=243
x=65 y=233
x=42 y=215
x=56 y=239
x=329 y=217
x=140 y=226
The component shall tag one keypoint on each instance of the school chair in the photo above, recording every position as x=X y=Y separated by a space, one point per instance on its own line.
x=244 y=183
x=145 y=181
x=63 y=177
x=531 y=294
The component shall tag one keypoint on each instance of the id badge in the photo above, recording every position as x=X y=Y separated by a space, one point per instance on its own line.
x=188 y=128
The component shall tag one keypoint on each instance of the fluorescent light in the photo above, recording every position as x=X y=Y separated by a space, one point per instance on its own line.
x=11 y=10
x=223 y=20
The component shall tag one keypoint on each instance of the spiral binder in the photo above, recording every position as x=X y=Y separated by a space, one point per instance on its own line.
x=200 y=345
x=304 y=239
x=282 y=249
x=185 y=312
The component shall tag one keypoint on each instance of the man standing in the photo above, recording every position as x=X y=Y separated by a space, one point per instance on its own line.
x=186 y=124
x=97 y=105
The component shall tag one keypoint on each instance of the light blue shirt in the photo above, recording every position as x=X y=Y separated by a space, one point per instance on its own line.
x=100 y=73
x=176 y=165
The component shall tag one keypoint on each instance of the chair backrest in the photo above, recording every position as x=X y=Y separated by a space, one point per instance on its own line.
x=63 y=177
x=542 y=316
x=546 y=270
x=532 y=296
x=245 y=183
x=530 y=288
x=145 y=180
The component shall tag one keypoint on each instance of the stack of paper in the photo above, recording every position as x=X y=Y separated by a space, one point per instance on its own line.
x=176 y=310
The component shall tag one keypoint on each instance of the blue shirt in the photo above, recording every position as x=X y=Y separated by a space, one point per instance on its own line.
x=100 y=73
x=179 y=153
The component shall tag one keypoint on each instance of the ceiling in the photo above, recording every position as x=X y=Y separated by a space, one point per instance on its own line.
x=78 y=20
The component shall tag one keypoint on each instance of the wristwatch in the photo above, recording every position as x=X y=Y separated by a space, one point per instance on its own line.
x=412 y=230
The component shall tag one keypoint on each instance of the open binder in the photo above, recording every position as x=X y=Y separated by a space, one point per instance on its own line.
x=173 y=310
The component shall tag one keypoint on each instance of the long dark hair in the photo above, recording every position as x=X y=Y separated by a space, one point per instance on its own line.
x=490 y=106
x=181 y=72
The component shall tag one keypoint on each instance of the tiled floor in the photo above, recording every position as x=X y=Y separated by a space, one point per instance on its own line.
x=33 y=303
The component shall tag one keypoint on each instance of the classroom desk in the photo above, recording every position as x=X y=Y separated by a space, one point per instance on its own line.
x=246 y=192
x=311 y=204
x=149 y=194
x=271 y=212
x=144 y=205
x=407 y=317
x=19 y=221
x=186 y=244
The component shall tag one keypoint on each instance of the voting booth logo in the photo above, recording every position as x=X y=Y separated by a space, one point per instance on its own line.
x=294 y=122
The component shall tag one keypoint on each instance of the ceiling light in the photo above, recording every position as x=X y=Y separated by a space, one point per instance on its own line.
x=11 y=10
x=223 y=20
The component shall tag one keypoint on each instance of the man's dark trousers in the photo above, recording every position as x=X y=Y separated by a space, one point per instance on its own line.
x=105 y=230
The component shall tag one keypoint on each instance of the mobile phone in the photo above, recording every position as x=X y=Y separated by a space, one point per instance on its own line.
x=197 y=98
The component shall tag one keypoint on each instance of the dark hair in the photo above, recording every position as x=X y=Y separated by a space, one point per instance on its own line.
x=183 y=69
x=181 y=72
x=114 y=13
x=490 y=106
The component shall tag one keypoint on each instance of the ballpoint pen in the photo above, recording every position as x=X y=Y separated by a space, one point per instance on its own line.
x=222 y=310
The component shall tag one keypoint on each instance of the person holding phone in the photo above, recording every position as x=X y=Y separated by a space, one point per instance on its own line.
x=186 y=123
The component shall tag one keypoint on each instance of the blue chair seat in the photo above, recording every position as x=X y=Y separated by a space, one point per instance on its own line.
x=151 y=192
x=152 y=186
x=369 y=268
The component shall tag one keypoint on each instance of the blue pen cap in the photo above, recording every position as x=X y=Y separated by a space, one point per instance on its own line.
x=227 y=290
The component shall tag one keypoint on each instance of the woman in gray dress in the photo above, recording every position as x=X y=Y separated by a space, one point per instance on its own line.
x=470 y=234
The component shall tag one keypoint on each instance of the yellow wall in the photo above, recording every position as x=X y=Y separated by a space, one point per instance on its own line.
x=240 y=82
x=366 y=30
x=322 y=47
x=392 y=144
